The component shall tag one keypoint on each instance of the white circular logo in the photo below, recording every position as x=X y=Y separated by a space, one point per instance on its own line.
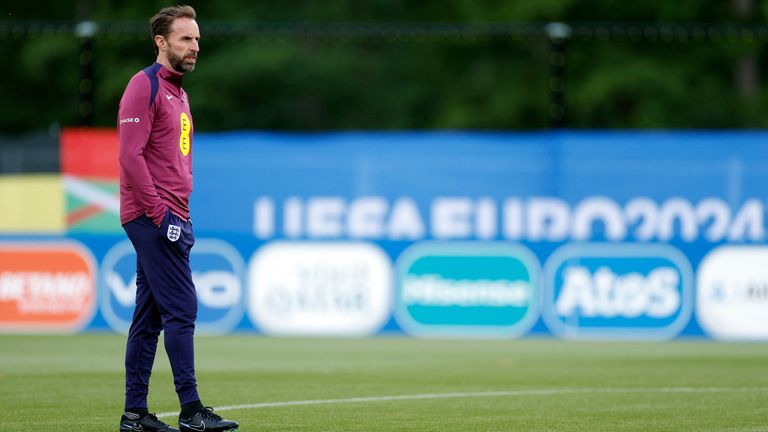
x=320 y=288
x=732 y=296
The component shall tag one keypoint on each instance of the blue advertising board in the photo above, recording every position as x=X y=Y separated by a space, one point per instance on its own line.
x=628 y=290
x=583 y=235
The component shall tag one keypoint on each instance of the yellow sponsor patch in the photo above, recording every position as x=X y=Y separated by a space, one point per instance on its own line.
x=184 y=140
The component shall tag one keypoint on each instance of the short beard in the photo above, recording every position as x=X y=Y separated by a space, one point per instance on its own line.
x=177 y=63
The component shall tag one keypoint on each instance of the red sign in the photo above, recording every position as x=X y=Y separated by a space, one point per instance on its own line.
x=90 y=153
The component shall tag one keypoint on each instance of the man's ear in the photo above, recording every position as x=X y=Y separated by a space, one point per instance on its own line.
x=160 y=42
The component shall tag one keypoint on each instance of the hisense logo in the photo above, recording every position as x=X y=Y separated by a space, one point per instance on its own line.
x=432 y=289
x=472 y=288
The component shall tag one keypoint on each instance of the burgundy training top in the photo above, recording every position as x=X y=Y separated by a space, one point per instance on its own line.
x=155 y=128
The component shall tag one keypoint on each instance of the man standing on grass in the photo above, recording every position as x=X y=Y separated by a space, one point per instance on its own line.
x=155 y=128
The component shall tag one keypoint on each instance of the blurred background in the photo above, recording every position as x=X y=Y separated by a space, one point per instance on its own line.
x=402 y=65
x=455 y=168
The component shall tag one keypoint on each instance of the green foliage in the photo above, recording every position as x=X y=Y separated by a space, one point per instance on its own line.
x=41 y=86
x=306 y=83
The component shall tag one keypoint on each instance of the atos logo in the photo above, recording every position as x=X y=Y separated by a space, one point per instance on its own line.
x=615 y=291
x=217 y=271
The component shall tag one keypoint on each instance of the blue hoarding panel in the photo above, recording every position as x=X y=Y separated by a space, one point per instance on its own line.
x=578 y=234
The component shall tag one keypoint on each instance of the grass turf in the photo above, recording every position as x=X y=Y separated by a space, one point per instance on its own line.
x=66 y=383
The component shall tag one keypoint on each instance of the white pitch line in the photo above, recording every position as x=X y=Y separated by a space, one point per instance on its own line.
x=507 y=393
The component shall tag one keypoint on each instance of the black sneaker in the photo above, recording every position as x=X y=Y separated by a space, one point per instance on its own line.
x=206 y=420
x=131 y=422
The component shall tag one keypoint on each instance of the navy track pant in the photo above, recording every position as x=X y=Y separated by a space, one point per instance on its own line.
x=165 y=300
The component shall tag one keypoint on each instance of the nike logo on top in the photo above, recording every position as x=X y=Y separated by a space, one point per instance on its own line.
x=169 y=97
x=200 y=427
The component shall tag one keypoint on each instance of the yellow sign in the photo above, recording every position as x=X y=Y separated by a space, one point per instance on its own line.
x=31 y=204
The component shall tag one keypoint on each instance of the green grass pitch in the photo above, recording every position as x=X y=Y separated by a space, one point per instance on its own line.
x=75 y=383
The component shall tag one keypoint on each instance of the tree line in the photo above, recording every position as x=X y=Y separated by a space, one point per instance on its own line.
x=654 y=64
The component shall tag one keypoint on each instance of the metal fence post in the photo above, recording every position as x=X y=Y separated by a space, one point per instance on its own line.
x=86 y=30
x=558 y=34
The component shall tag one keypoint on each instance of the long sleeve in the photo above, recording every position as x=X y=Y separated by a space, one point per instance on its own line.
x=135 y=118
